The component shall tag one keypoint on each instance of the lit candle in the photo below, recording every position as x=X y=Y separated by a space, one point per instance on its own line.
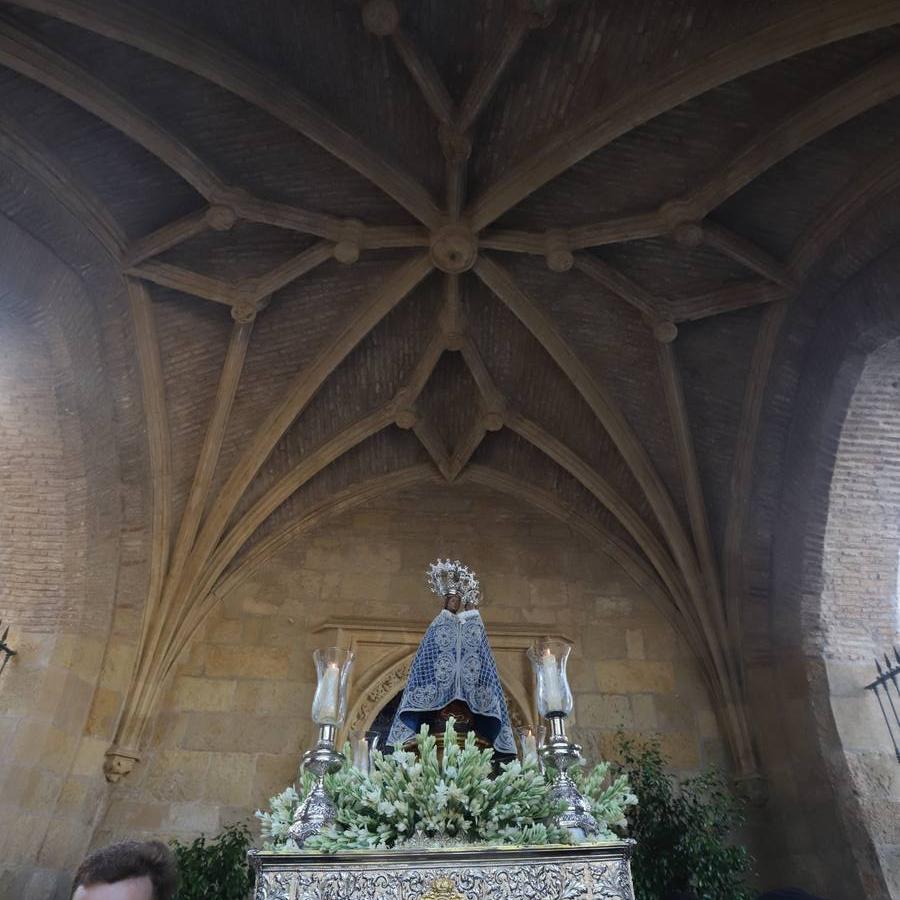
x=361 y=754
x=553 y=694
x=530 y=747
x=328 y=694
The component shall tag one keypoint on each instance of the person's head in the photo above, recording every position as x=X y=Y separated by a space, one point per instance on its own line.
x=127 y=871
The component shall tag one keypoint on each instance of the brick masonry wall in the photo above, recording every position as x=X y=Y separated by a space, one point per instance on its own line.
x=236 y=717
x=59 y=536
x=859 y=609
x=32 y=482
x=47 y=688
x=858 y=613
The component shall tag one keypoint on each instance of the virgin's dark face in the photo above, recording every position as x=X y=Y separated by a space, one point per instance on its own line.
x=452 y=603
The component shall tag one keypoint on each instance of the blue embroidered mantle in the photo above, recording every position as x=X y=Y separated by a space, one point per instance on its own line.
x=454 y=662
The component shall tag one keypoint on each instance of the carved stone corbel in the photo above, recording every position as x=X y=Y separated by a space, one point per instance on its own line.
x=119 y=762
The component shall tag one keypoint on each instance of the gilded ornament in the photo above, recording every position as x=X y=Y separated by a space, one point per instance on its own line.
x=442 y=889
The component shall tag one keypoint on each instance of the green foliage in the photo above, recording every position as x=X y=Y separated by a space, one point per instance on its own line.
x=682 y=830
x=216 y=868
x=610 y=798
x=420 y=797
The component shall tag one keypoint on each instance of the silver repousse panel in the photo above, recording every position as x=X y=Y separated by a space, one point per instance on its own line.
x=512 y=875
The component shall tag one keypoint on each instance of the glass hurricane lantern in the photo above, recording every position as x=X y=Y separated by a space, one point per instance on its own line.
x=549 y=659
x=329 y=707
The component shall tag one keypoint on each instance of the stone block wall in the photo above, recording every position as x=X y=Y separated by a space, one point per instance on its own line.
x=236 y=720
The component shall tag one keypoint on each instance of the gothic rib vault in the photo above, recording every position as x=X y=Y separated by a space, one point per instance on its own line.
x=543 y=247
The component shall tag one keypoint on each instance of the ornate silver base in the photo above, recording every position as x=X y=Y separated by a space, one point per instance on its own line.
x=533 y=873
x=318 y=809
x=560 y=753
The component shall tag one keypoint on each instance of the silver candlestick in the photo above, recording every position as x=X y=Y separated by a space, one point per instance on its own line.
x=549 y=658
x=329 y=706
x=318 y=809
x=561 y=754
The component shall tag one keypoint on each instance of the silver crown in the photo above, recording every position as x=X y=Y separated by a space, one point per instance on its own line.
x=446 y=578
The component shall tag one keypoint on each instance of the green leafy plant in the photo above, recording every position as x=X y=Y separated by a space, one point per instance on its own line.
x=610 y=795
x=215 y=868
x=683 y=830
x=424 y=798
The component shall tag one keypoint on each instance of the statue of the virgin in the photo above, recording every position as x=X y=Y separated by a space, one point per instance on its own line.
x=453 y=672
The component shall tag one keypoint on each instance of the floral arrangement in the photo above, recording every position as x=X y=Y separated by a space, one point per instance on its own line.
x=421 y=799
x=610 y=798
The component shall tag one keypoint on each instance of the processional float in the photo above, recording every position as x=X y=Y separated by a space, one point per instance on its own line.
x=452 y=812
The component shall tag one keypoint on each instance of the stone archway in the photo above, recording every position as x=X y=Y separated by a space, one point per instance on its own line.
x=803 y=743
x=853 y=616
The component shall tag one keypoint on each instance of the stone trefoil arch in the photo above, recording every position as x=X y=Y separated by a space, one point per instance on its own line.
x=370 y=693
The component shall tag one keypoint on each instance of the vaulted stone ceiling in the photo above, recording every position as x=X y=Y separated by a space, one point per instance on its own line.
x=543 y=247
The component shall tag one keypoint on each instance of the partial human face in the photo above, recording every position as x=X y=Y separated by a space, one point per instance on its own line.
x=129 y=889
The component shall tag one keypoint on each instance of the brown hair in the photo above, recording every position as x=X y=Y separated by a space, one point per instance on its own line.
x=131 y=859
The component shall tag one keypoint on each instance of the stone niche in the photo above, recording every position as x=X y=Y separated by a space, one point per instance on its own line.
x=384 y=652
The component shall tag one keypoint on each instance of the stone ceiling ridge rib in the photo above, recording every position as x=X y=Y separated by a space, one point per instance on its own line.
x=874 y=85
x=312 y=464
x=232 y=369
x=298 y=394
x=707 y=611
x=792 y=35
x=24 y=150
x=729 y=299
x=684 y=444
x=876 y=180
x=153 y=34
x=499 y=281
x=489 y=73
x=30 y=58
x=606 y=494
x=165 y=238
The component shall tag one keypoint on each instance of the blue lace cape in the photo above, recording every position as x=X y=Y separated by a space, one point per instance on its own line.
x=454 y=662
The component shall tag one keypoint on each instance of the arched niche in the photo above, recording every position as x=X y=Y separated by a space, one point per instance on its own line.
x=374 y=694
x=384 y=653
